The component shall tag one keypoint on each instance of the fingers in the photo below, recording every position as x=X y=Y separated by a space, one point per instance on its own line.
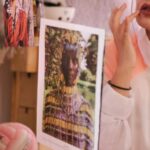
x=116 y=15
x=128 y=21
x=132 y=16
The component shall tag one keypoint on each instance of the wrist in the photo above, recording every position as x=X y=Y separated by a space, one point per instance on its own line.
x=119 y=87
x=122 y=77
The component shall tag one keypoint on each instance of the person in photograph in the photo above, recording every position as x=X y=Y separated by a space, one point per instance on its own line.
x=68 y=116
x=125 y=119
x=18 y=19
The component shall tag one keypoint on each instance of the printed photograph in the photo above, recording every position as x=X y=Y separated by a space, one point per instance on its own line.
x=70 y=84
x=18 y=21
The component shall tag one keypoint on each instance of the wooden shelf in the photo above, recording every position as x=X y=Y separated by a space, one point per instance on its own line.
x=24 y=97
x=25 y=66
x=25 y=60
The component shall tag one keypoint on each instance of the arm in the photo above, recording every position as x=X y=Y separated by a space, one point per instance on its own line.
x=126 y=50
x=116 y=104
x=114 y=127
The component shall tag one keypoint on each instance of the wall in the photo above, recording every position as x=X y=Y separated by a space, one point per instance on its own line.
x=96 y=13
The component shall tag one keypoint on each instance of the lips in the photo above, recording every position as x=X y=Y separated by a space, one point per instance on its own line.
x=145 y=10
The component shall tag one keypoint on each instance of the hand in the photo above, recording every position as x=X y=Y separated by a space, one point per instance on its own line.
x=122 y=38
x=127 y=53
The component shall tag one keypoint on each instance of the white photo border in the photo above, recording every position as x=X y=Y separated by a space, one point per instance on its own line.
x=42 y=137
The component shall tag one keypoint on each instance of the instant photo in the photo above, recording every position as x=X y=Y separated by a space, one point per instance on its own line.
x=70 y=66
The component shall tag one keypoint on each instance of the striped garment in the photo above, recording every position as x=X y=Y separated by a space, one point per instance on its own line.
x=69 y=118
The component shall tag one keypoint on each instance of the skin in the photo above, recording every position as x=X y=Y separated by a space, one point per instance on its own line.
x=127 y=54
x=70 y=67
